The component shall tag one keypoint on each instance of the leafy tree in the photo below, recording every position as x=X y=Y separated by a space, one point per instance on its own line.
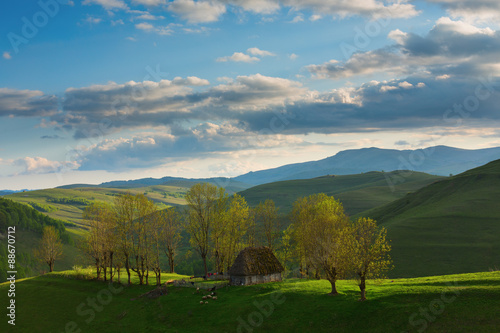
x=370 y=250
x=50 y=247
x=235 y=230
x=266 y=215
x=204 y=203
x=125 y=216
x=171 y=234
x=321 y=231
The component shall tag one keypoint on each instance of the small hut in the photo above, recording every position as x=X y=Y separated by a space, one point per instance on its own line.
x=255 y=265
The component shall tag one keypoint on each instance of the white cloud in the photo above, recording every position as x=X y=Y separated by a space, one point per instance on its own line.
x=145 y=26
x=345 y=8
x=293 y=56
x=197 y=12
x=315 y=17
x=107 y=4
x=256 y=6
x=297 y=19
x=149 y=2
x=472 y=10
x=41 y=165
x=443 y=77
x=405 y=85
x=238 y=57
x=261 y=53
x=6 y=55
x=452 y=47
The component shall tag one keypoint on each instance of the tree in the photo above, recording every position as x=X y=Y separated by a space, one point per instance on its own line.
x=125 y=215
x=171 y=227
x=235 y=229
x=204 y=204
x=266 y=214
x=99 y=243
x=321 y=231
x=370 y=252
x=286 y=248
x=50 y=247
x=141 y=237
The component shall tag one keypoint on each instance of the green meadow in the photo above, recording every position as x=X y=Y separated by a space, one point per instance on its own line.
x=58 y=302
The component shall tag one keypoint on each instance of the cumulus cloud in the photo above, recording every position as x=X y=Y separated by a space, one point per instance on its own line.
x=197 y=12
x=238 y=57
x=41 y=165
x=472 y=10
x=6 y=55
x=26 y=103
x=149 y=2
x=345 y=8
x=252 y=55
x=450 y=47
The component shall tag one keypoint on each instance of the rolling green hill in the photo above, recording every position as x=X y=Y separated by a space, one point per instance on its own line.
x=451 y=226
x=68 y=204
x=356 y=192
x=57 y=302
x=28 y=224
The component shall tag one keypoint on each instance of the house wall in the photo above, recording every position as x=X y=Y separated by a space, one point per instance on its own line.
x=254 y=279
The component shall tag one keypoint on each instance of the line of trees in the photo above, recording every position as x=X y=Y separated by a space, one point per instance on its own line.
x=131 y=234
x=321 y=240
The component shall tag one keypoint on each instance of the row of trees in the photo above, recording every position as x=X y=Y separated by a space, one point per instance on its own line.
x=220 y=226
x=131 y=234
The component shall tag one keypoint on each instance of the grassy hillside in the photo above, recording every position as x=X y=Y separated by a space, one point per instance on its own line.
x=357 y=192
x=68 y=203
x=28 y=224
x=457 y=303
x=451 y=226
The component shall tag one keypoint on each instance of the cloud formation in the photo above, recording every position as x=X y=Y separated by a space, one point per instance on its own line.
x=450 y=48
x=26 y=103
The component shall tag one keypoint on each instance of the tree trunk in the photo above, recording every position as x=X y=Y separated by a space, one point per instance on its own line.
x=362 y=288
x=127 y=266
x=205 y=266
x=111 y=266
x=334 y=287
x=51 y=266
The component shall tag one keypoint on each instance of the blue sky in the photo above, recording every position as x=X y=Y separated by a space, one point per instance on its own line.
x=98 y=90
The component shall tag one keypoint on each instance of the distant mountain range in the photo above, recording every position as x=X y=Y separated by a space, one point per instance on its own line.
x=439 y=160
x=229 y=184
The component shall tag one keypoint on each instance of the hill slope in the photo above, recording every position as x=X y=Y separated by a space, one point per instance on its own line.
x=439 y=160
x=357 y=192
x=449 y=226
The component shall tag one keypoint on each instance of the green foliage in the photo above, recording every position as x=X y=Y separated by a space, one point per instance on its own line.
x=42 y=208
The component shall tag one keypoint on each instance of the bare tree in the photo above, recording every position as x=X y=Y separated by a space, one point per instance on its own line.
x=50 y=247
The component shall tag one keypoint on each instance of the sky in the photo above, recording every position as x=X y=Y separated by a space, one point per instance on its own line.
x=101 y=90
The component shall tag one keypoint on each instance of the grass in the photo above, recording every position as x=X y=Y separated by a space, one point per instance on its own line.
x=450 y=226
x=357 y=193
x=454 y=303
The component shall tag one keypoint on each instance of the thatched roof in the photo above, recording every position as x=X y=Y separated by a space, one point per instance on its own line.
x=255 y=261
